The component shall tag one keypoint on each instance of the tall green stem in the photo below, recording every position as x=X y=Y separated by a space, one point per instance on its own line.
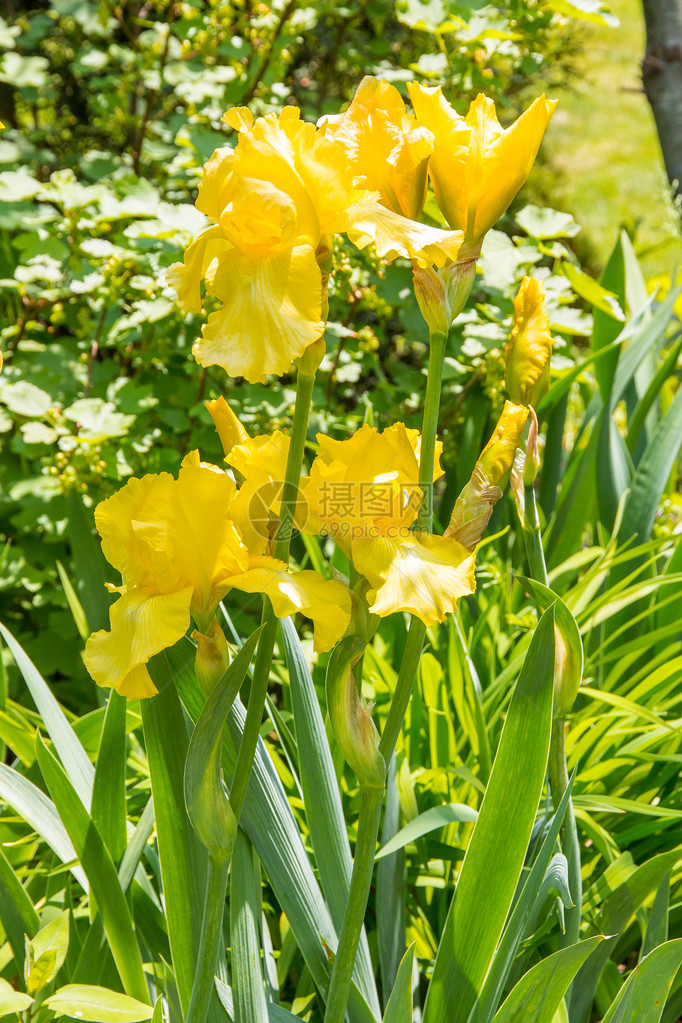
x=533 y=537
x=558 y=770
x=363 y=864
x=558 y=779
x=266 y=644
x=371 y=800
x=434 y=383
x=211 y=931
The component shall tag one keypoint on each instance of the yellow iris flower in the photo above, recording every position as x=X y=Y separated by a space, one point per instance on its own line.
x=388 y=151
x=275 y=201
x=529 y=350
x=364 y=492
x=475 y=504
x=477 y=166
x=179 y=551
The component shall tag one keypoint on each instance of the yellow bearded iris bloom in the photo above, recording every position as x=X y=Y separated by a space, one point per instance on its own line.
x=528 y=353
x=275 y=201
x=388 y=151
x=364 y=492
x=179 y=551
x=475 y=504
x=477 y=166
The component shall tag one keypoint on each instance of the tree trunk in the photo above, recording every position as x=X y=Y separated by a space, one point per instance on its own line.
x=662 y=77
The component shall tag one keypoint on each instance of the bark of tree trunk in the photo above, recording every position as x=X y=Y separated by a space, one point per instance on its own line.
x=662 y=77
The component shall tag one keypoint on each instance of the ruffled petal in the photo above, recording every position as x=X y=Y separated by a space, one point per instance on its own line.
x=367 y=221
x=418 y=573
x=137 y=684
x=204 y=545
x=297 y=158
x=366 y=484
x=325 y=601
x=271 y=313
x=253 y=515
x=262 y=458
x=118 y=517
x=387 y=151
x=186 y=277
x=142 y=624
x=214 y=187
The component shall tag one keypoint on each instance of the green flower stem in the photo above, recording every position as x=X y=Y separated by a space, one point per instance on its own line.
x=304 y=399
x=211 y=932
x=558 y=778
x=533 y=537
x=363 y=865
x=403 y=689
x=266 y=644
x=558 y=770
x=434 y=383
x=417 y=630
x=371 y=799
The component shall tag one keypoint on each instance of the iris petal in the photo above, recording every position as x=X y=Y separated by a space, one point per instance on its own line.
x=325 y=601
x=271 y=313
x=142 y=624
x=420 y=574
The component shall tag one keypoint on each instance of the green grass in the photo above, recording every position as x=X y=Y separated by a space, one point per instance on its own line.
x=603 y=152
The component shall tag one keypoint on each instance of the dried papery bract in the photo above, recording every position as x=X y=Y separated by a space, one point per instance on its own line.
x=475 y=504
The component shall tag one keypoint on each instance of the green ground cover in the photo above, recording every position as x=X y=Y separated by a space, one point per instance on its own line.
x=603 y=143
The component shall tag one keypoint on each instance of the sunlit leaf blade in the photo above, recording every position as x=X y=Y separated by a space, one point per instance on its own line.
x=324 y=812
x=97 y=1005
x=652 y=474
x=391 y=890
x=642 y=998
x=17 y=914
x=617 y=911
x=606 y=329
x=652 y=392
x=500 y=836
x=66 y=742
x=657 y=927
x=11 y=1000
x=537 y=996
x=517 y=925
x=109 y=792
x=37 y=810
x=269 y=823
x=75 y=606
x=399 y=1006
x=435 y=817
x=183 y=858
x=245 y=914
x=276 y=1013
x=101 y=873
x=47 y=952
